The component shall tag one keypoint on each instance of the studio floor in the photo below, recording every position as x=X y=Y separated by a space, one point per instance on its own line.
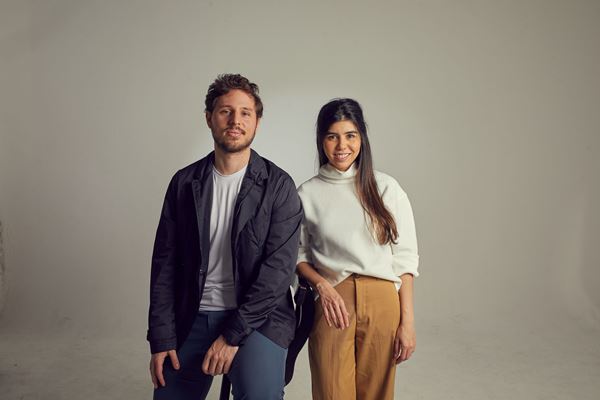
x=458 y=359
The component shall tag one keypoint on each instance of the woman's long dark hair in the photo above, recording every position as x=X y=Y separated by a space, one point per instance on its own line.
x=382 y=220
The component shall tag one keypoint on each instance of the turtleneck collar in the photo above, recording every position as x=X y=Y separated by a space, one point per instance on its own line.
x=329 y=174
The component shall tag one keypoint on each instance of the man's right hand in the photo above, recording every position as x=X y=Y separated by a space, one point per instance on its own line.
x=156 y=366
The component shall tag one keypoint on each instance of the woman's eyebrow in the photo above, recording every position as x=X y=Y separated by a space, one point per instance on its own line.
x=345 y=133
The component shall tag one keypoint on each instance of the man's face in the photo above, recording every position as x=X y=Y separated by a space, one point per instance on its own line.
x=233 y=121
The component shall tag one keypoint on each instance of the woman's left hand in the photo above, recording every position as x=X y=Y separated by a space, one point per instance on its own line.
x=405 y=342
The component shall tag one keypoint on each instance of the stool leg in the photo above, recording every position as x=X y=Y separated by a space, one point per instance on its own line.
x=225 y=388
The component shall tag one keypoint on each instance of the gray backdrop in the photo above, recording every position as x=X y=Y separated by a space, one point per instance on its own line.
x=486 y=112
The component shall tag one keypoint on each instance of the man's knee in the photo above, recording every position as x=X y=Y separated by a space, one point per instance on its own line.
x=258 y=382
x=258 y=370
x=258 y=391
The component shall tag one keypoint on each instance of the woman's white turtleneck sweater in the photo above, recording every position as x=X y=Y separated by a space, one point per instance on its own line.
x=336 y=237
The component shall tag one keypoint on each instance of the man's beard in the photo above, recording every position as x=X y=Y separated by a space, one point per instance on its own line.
x=233 y=146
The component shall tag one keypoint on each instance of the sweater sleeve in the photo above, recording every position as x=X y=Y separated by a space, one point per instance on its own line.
x=305 y=246
x=405 y=257
x=304 y=249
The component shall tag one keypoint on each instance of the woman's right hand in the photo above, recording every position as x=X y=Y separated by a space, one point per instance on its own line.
x=333 y=305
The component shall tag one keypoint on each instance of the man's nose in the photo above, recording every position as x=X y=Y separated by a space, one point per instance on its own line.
x=235 y=118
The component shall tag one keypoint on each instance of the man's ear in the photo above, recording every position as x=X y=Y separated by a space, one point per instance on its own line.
x=208 y=115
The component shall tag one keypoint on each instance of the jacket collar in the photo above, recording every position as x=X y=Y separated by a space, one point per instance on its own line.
x=256 y=170
x=256 y=174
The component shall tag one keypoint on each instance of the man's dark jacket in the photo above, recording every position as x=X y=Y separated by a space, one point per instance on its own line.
x=264 y=245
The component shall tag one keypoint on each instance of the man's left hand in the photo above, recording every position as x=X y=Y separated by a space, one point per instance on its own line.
x=219 y=357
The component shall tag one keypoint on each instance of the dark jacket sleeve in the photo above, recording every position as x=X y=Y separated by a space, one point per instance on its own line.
x=161 y=316
x=276 y=270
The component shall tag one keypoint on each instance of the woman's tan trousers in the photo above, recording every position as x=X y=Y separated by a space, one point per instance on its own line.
x=357 y=362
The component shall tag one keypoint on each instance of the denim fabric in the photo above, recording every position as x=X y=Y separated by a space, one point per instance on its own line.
x=257 y=371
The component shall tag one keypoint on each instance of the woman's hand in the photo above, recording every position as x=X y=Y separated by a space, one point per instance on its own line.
x=333 y=305
x=405 y=341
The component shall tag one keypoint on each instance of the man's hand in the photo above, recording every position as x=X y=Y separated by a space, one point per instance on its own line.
x=219 y=357
x=156 y=366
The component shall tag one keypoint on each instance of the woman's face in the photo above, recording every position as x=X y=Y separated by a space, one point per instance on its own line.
x=342 y=144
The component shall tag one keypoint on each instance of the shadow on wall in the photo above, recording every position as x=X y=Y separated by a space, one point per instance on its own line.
x=578 y=276
x=2 y=271
x=590 y=273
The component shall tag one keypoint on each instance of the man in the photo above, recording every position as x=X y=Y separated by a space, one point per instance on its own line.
x=223 y=260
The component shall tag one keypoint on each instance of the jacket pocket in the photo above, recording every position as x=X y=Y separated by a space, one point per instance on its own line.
x=257 y=231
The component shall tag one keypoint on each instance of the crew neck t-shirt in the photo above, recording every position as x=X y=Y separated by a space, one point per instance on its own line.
x=219 y=288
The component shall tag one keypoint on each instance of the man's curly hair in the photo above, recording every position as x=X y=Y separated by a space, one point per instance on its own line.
x=226 y=82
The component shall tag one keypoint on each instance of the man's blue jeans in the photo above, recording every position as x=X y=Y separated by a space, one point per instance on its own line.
x=257 y=371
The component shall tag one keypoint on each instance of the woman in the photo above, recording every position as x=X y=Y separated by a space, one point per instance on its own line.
x=358 y=251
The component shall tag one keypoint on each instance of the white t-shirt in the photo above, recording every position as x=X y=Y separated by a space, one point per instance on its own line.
x=219 y=289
